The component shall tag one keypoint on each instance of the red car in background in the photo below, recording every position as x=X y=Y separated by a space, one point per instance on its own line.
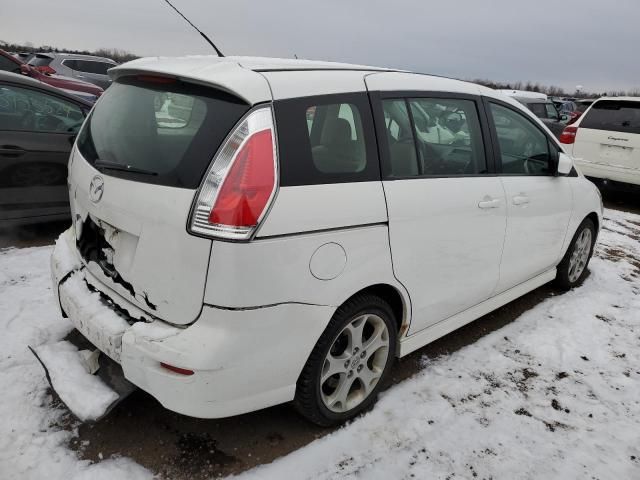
x=84 y=90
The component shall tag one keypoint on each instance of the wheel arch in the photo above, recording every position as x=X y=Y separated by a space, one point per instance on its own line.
x=399 y=303
x=593 y=216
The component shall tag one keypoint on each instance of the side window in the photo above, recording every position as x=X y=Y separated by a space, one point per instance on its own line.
x=326 y=139
x=102 y=67
x=402 y=145
x=551 y=111
x=29 y=110
x=72 y=64
x=538 y=109
x=8 y=66
x=436 y=137
x=336 y=138
x=524 y=148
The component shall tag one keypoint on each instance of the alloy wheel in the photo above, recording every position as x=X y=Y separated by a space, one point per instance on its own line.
x=580 y=255
x=354 y=363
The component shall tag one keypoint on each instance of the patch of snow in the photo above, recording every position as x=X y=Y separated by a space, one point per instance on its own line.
x=154 y=330
x=554 y=394
x=65 y=255
x=85 y=394
x=33 y=443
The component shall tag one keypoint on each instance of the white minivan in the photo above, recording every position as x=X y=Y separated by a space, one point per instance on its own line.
x=605 y=140
x=251 y=231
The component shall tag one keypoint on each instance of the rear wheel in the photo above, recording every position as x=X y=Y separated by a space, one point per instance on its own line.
x=573 y=267
x=350 y=362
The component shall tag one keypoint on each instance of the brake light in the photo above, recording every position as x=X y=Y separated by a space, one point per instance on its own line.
x=155 y=79
x=46 y=69
x=568 y=135
x=241 y=181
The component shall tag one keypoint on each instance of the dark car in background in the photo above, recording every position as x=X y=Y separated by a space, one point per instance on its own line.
x=38 y=125
x=85 y=90
x=82 y=67
x=546 y=111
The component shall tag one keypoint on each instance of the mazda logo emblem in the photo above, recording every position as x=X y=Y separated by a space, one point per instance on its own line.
x=96 y=188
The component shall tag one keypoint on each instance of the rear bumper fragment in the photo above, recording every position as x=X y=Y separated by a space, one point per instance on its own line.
x=243 y=360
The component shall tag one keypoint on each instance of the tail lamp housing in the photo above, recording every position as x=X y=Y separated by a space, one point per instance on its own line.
x=568 y=135
x=240 y=184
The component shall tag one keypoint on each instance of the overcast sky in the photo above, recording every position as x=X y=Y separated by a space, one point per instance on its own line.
x=562 y=42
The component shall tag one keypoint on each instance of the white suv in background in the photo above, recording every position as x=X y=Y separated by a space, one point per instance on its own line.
x=605 y=140
x=248 y=231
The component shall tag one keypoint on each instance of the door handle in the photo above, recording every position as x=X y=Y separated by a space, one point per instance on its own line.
x=520 y=200
x=11 y=151
x=489 y=203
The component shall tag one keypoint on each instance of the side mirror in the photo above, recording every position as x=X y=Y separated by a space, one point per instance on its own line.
x=565 y=164
x=564 y=117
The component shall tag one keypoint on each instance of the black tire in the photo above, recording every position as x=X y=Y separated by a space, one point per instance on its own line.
x=308 y=399
x=563 y=277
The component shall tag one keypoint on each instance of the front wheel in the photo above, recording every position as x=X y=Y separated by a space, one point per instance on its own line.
x=573 y=267
x=350 y=362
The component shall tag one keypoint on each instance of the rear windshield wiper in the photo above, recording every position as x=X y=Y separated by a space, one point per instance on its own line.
x=122 y=168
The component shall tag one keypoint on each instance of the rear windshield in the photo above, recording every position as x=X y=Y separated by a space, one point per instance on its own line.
x=614 y=116
x=40 y=61
x=162 y=133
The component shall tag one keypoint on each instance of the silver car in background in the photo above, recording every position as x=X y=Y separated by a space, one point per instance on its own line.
x=83 y=67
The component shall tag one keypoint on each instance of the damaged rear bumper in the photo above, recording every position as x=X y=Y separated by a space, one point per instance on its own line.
x=243 y=359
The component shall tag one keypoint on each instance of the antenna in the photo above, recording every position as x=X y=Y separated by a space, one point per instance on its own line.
x=196 y=29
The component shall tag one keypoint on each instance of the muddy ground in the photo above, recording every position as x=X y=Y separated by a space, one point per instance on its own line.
x=175 y=446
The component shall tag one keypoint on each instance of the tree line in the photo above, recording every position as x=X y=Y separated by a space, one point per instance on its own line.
x=116 y=54
x=553 y=90
x=121 y=56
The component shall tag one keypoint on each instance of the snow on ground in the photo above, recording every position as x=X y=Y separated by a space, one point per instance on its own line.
x=32 y=444
x=555 y=394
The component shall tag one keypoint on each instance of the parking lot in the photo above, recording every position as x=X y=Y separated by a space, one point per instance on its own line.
x=180 y=447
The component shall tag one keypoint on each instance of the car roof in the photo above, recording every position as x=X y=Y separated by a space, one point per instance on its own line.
x=31 y=82
x=626 y=99
x=532 y=100
x=260 y=79
x=76 y=56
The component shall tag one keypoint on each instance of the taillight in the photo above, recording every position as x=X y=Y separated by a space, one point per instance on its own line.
x=241 y=181
x=568 y=135
x=46 y=69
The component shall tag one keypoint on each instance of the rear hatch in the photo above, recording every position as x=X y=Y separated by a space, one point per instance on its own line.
x=138 y=162
x=609 y=134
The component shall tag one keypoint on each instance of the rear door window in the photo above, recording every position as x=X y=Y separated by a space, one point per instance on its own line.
x=163 y=133
x=89 y=66
x=614 y=116
x=538 y=109
x=326 y=139
x=434 y=137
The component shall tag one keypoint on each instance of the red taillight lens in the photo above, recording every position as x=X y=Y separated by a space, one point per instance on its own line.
x=241 y=181
x=181 y=371
x=248 y=185
x=46 y=69
x=568 y=135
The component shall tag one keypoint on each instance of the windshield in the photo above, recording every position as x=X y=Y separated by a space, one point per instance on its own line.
x=163 y=132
